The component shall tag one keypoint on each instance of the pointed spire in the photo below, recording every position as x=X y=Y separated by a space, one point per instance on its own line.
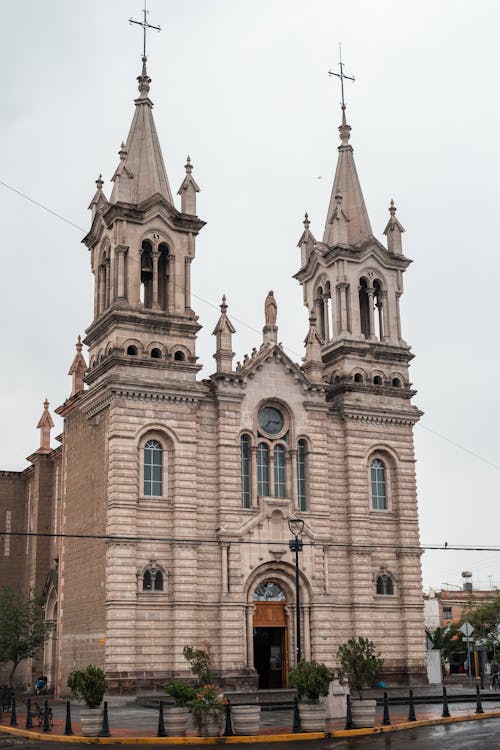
x=313 y=366
x=393 y=231
x=141 y=172
x=45 y=424
x=78 y=369
x=223 y=332
x=188 y=190
x=346 y=184
x=306 y=242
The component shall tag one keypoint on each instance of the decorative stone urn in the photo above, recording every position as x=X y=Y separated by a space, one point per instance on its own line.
x=176 y=720
x=246 y=720
x=312 y=717
x=91 y=719
x=363 y=712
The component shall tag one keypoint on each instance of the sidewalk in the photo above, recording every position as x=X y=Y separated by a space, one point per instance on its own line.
x=132 y=722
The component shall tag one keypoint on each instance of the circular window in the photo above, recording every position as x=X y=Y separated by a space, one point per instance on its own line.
x=271 y=420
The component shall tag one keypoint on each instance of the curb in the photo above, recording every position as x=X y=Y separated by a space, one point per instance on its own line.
x=250 y=739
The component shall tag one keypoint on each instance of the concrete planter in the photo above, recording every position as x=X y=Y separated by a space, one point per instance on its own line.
x=246 y=720
x=91 y=719
x=176 y=720
x=312 y=717
x=363 y=712
x=209 y=722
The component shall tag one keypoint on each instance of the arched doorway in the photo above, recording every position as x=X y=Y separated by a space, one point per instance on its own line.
x=270 y=636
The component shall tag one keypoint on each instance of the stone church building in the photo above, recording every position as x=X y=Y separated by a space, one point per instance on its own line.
x=161 y=519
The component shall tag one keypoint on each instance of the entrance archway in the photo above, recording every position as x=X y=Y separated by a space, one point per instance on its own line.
x=270 y=636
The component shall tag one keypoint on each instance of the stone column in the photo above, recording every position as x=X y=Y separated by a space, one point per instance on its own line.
x=224 y=568
x=271 y=472
x=187 y=283
x=120 y=251
x=107 y=283
x=154 y=295
x=306 y=629
x=250 y=609
x=398 y=316
x=342 y=292
x=325 y=317
x=384 y=322
x=294 y=489
x=371 y=317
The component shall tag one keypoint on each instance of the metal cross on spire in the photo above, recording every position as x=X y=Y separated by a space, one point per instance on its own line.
x=341 y=75
x=145 y=26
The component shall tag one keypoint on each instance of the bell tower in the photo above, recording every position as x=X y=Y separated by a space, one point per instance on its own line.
x=141 y=250
x=352 y=286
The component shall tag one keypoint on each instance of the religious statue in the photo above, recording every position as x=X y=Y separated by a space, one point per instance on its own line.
x=271 y=309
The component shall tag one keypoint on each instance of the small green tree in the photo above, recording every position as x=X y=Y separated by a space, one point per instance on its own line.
x=311 y=680
x=360 y=666
x=445 y=639
x=23 y=631
x=484 y=618
x=200 y=664
x=88 y=684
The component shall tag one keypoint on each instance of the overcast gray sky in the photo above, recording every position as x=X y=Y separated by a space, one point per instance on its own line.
x=243 y=87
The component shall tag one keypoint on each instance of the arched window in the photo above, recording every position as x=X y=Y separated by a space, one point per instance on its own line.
x=358 y=378
x=364 y=311
x=279 y=471
x=163 y=271
x=379 y=494
x=156 y=353
x=132 y=351
x=152 y=580
x=153 y=468
x=396 y=383
x=245 y=470
x=179 y=356
x=377 y=380
x=379 y=317
x=147 y=274
x=385 y=585
x=301 y=475
x=268 y=591
x=263 y=470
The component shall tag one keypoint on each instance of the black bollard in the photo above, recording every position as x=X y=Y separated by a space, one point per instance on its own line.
x=68 y=729
x=29 y=715
x=46 y=717
x=386 y=721
x=228 y=729
x=161 y=722
x=13 y=717
x=446 y=710
x=411 y=710
x=296 y=715
x=105 y=722
x=348 y=718
x=479 y=705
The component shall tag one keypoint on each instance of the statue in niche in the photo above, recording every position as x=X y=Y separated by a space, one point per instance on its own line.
x=271 y=309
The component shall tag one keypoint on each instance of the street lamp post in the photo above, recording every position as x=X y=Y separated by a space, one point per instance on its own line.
x=296 y=526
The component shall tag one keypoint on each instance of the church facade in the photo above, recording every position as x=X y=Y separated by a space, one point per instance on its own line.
x=161 y=519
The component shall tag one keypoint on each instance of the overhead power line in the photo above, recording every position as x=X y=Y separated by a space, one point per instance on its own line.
x=267 y=542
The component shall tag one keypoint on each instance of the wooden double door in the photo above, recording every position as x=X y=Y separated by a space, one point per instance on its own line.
x=270 y=639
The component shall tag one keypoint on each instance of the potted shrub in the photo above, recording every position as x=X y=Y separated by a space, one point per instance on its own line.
x=177 y=714
x=312 y=680
x=89 y=685
x=208 y=711
x=360 y=667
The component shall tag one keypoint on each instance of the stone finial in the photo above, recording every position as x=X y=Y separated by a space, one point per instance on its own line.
x=45 y=424
x=99 y=197
x=99 y=182
x=344 y=129
x=393 y=232
x=77 y=369
x=223 y=332
x=144 y=81
x=122 y=153
x=188 y=190
x=339 y=234
x=306 y=242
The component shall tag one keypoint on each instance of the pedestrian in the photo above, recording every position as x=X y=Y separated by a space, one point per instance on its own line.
x=495 y=676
